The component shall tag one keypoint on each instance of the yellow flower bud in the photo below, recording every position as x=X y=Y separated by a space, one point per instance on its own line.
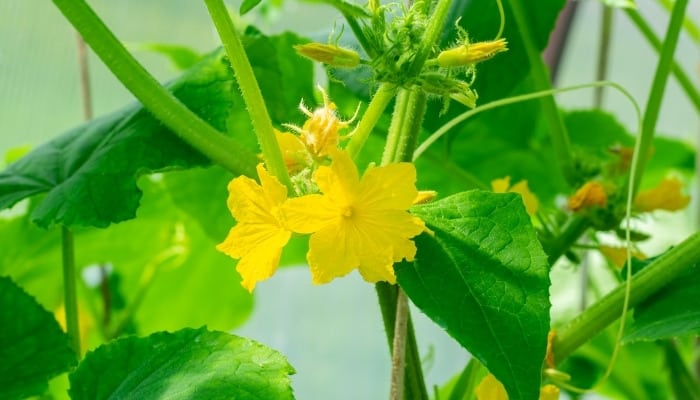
x=471 y=53
x=329 y=54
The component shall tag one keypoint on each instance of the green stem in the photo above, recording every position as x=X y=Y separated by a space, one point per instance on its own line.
x=663 y=69
x=375 y=109
x=414 y=383
x=541 y=81
x=603 y=53
x=682 y=381
x=69 y=289
x=681 y=76
x=398 y=358
x=574 y=229
x=262 y=124
x=359 y=34
x=164 y=106
x=690 y=27
x=643 y=284
x=433 y=31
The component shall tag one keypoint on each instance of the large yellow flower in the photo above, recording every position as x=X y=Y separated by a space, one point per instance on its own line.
x=260 y=234
x=357 y=223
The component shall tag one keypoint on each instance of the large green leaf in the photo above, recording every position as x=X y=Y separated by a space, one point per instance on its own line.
x=89 y=174
x=672 y=311
x=33 y=348
x=187 y=364
x=483 y=276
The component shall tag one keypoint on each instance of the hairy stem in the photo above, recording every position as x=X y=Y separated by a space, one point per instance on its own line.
x=658 y=86
x=262 y=124
x=433 y=31
x=70 y=297
x=681 y=76
x=161 y=103
x=643 y=284
x=376 y=107
x=540 y=78
x=398 y=358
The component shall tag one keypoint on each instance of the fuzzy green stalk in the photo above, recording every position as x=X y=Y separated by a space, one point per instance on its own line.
x=433 y=31
x=658 y=86
x=70 y=297
x=161 y=103
x=681 y=76
x=541 y=81
x=375 y=109
x=645 y=283
x=401 y=140
x=262 y=124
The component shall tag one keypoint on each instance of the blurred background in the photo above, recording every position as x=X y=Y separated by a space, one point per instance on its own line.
x=331 y=334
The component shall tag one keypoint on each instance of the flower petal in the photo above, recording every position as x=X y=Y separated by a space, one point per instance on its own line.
x=310 y=213
x=667 y=195
x=333 y=252
x=391 y=186
x=340 y=180
x=500 y=185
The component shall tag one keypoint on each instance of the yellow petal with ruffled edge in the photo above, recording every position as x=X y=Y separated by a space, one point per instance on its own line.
x=258 y=238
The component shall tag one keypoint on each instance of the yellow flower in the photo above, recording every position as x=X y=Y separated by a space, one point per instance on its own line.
x=491 y=389
x=320 y=131
x=531 y=202
x=665 y=196
x=260 y=234
x=589 y=195
x=618 y=255
x=357 y=223
x=471 y=53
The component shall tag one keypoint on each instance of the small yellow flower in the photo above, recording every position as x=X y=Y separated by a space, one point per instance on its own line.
x=260 y=234
x=549 y=392
x=471 y=53
x=320 y=131
x=329 y=54
x=666 y=195
x=549 y=356
x=589 y=195
x=532 y=204
x=425 y=196
x=357 y=222
x=491 y=389
x=618 y=255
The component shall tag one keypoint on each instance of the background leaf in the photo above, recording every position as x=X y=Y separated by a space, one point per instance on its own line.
x=484 y=277
x=673 y=311
x=187 y=364
x=33 y=348
x=89 y=174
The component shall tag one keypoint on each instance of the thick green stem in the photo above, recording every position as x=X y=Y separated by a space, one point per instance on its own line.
x=405 y=126
x=70 y=297
x=663 y=69
x=573 y=230
x=262 y=124
x=643 y=284
x=375 y=109
x=433 y=31
x=164 y=106
x=414 y=383
x=398 y=358
x=541 y=81
x=690 y=27
x=681 y=76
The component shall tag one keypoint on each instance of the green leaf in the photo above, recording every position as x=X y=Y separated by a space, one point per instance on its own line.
x=483 y=276
x=673 y=311
x=248 y=5
x=187 y=364
x=33 y=348
x=181 y=57
x=89 y=174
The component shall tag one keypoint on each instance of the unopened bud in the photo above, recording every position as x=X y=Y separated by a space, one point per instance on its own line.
x=468 y=54
x=328 y=54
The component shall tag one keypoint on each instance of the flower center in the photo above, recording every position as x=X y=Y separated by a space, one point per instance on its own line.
x=347 y=212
